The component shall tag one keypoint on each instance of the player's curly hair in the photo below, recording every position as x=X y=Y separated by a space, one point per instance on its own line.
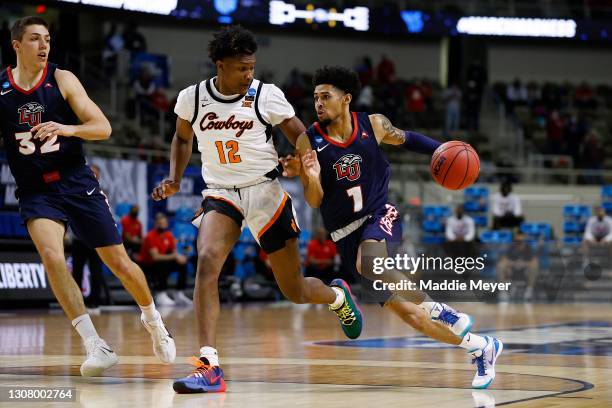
x=230 y=42
x=342 y=78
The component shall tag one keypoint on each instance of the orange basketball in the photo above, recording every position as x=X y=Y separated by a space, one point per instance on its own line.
x=455 y=165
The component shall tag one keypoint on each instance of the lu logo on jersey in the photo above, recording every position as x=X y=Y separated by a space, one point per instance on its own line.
x=30 y=113
x=348 y=166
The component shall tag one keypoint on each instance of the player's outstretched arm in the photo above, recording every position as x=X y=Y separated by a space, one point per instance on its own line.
x=180 y=153
x=389 y=134
x=310 y=172
x=292 y=128
x=94 y=125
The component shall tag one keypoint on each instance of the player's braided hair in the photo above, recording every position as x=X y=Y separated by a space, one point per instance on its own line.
x=342 y=78
x=230 y=42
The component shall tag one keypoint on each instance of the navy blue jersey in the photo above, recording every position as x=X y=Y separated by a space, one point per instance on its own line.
x=36 y=163
x=354 y=175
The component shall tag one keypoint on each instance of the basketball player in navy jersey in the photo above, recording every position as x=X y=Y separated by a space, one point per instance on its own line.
x=45 y=115
x=346 y=175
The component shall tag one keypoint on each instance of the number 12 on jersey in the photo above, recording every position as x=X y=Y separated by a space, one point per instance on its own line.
x=357 y=195
x=232 y=148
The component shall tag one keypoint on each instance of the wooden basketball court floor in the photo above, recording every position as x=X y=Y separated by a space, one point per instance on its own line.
x=277 y=355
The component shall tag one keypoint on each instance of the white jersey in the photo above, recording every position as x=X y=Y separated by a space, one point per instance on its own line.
x=234 y=132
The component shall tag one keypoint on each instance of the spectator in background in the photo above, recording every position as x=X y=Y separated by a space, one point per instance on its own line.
x=385 y=71
x=554 y=132
x=452 y=100
x=520 y=258
x=460 y=227
x=533 y=94
x=320 y=256
x=460 y=231
x=131 y=231
x=365 y=70
x=427 y=89
x=598 y=233
x=584 y=97
x=472 y=97
x=551 y=96
x=516 y=95
x=415 y=104
x=113 y=44
x=365 y=101
x=134 y=41
x=295 y=91
x=159 y=257
x=574 y=132
x=144 y=90
x=593 y=157
x=295 y=87
x=389 y=97
x=507 y=210
x=477 y=73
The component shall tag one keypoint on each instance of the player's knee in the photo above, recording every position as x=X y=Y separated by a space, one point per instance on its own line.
x=210 y=261
x=51 y=256
x=122 y=266
x=211 y=255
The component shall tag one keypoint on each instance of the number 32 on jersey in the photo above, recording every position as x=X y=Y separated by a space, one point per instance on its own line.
x=27 y=146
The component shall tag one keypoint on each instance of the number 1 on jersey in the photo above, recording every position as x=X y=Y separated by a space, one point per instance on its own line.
x=356 y=194
x=232 y=149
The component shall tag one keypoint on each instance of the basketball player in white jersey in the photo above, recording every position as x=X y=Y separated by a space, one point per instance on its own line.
x=232 y=116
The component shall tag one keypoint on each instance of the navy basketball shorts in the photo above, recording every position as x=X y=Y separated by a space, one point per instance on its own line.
x=76 y=199
x=384 y=225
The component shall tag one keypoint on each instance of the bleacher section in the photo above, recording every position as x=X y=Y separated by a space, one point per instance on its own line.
x=476 y=204
x=433 y=223
x=575 y=217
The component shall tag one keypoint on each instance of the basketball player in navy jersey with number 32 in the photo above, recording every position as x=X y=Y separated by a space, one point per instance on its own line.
x=346 y=175
x=40 y=111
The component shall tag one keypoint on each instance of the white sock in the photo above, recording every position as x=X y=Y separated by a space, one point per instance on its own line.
x=339 y=298
x=210 y=353
x=84 y=326
x=149 y=312
x=472 y=342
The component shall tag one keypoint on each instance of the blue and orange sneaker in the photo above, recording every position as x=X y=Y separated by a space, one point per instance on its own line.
x=349 y=313
x=205 y=378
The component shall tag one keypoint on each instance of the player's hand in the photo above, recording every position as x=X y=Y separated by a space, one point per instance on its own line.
x=291 y=165
x=311 y=165
x=165 y=189
x=45 y=130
